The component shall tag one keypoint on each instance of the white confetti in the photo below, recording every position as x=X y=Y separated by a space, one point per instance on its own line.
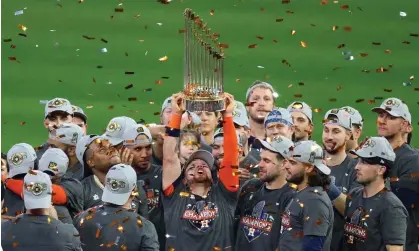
x=403 y=14
x=103 y=50
x=260 y=67
x=52 y=30
x=19 y=12
x=160 y=24
x=109 y=83
x=146 y=53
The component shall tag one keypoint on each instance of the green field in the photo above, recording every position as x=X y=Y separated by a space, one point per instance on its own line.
x=55 y=60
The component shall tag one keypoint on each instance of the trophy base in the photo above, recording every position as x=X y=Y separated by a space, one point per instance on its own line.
x=204 y=105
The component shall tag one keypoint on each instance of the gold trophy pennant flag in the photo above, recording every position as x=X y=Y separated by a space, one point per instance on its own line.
x=203 y=77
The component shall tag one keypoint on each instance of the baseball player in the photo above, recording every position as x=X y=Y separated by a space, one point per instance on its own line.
x=302 y=116
x=357 y=125
x=80 y=118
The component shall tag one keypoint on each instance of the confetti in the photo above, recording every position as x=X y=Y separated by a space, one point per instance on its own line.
x=284 y=61
x=120 y=228
x=129 y=73
x=119 y=9
x=407 y=84
x=23 y=35
x=132 y=99
x=414 y=34
x=49 y=220
x=339 y=88
x=158 y=82
x=260 y=67
x=104 y=40
x=19 y=12
x=334 y=27
x=279 y=20
x=388 y=90
x=403 y=14
x=12 y=58
x=298 y=95
x=7 y=40
x=376 y=43
x=317 y=110
x=293 y=32
x=184 y=194
x=156 y=113
x=129 y=86
x=22 y=27
x=332 y=99
x=215 y=248
x=341 y=46
x=388 y=51
x=224 y=46
x=15 y=244
x=212 y=12
x=181 y=31
x=347 y=28
x=103 y=50
x=251 y=46
x=123 y=247
x=110 y=107
x=381 y=69
x=162 y=59
x=359 y=100
x=98 y=232
x=289 y=12
x=303 y=44
x=259 y=37
x=88 y=37
x=412 y=77
x=22 y=123
x=148 y=89
x=344 y=7
x=139 y=222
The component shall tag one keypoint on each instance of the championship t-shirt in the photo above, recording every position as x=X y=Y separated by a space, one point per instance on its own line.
x=199 y=223
x=259 y=213
x=344 y=177
x=372 y=223
x=115 y=228
x=93 y=196
x=35 y=233
x=310 y=212
x=151 y=181
x=13 y=204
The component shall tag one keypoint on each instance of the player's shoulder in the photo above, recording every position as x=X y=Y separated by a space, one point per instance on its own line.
x=315 y=195
x=252 y=185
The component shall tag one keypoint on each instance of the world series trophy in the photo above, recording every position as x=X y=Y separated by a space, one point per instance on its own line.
x=203 y=66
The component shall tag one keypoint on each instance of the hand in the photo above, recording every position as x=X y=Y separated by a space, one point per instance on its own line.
x=157 y=130
x=244 y=174
x=126 y=156
x=228 y=104
x=178 y=105
x=52 y=212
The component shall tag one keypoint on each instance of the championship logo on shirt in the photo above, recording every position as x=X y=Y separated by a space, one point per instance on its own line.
x=153 y=196
x=356 y=226
x=257 y=223
x=201 y=215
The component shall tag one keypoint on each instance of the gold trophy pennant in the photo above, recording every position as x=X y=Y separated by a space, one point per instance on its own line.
x=203 y=65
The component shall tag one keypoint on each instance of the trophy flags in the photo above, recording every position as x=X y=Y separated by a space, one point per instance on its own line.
x=203 y=61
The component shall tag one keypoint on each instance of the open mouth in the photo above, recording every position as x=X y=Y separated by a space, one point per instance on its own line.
x=200 y=172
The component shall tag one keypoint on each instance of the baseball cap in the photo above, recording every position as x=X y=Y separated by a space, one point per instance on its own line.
x=278 y=144
x=310 y=152
x=58 y=104
x=37 y=190
x=240 y=115
x=219 y=133
x=54 y=161
x=395 y=107
x=83 y=144
x=202 y=155
x=66 y=133
x=115 y=129
x=78 y=112
x=376 y=149
x=120 y=180
x=338 y=117
x=302 y=107
x=21 y=158
x=166 y=103
x=259 y=83
x=195 y=118
x=279 y=115
x=356 y=117
x=132 y=132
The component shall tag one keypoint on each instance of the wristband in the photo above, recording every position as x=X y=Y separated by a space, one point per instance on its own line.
x=175 y=121
x=172 y=132
x=333 y=192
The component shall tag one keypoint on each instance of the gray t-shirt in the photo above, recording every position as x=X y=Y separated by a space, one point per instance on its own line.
x=344 y=177
x=35 y=233
x=13 y=204
x=93 y=197
x=151 y=181
x=259 y=213
x=372 y=223
x=75 y=197
x=310 y=213
x=75 y=172
x=110 y=227
x=40 y=150
x=63 y=214
x=195 y=223
x=404 y=181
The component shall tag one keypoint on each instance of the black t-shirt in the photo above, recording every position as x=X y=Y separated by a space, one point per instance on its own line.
x=250 y=162
x=259 y=213
x=93 y=197
x=151 y=181
x=75 y=197
x=35 y=233
x=372 y=223
x=344 y=177
x=197 y=223
x=13 y=204
x=63 y=214
x=109 y=227
x=310 y=212
x=75 y=172
x=40 y=150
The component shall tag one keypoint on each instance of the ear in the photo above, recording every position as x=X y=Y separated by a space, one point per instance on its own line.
x=72 y=151
x=381 y=170
x=189 y=119
x=405 y=126
x=310 y=128
x=356 y=133
x=292 y=129
x=46 y=124
x=90 y=163
x=309 y=168
x=349 y=135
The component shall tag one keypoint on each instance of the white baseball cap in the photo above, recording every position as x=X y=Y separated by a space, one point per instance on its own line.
x=77 y=111
x=279 y=115
x=166 y=103
x=37 y=190
x=396 y=108
x=58 y=104
x=219 y=136
x=259 y=83
x=240 y=115
x=66 y=133
x=115 y=129
x=377 y=148
x=356 y=117
x=202 y=155
x=83 y=144
x=302 y=107
x=21 y=158
x=132 y=132
x=54 y=161
x=278 y=144
x=338 y=117
x=120 y=181
x=310 y=152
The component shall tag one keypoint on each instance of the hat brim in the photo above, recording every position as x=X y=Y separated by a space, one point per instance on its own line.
x=114 y=141
x=323 y=168
x=379 y=109
x=265 y=145
x=33 y=202
x=18 y=170
x=115 y=198
x=202 y=155
x=80 y=115
x=361 y=154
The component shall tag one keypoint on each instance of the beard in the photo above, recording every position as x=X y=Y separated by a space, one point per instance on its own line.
x=335 y=149
x=258 y=119
x=296 y=178
x=269 y=177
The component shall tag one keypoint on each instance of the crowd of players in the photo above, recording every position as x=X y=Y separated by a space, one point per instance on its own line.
x=246 y=178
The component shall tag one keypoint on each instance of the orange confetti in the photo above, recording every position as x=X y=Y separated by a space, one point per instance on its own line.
x=388 y=51
x=347 y=28
x=363 y=54
x=259 y=37
x=303 y=44
x=139 y=222
x=285 y=1
x=252 y=46
x=158 y=82
x=317 y=110
x=170 y=248
x=22 y=123
x=15 y=244
x=381 y=69
x=162 y=59
x=293 y=32
x=323 y=2
x=123 y=247
x=343 y=7
x=298 y=95
x=225 y=46
x=184 y=194
x=98 y=232
x=22 y=27
x=215 y=248
x=341 y=46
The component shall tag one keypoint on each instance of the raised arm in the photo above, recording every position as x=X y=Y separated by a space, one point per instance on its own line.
x=229 y=175
x=171 y=162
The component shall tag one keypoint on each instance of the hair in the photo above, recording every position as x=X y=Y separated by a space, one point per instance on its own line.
x=409 y=138
x=317 y=178
x=260 y=84
x=57 y=113
x=186 y=133
x=4 y=156
x=381 y=162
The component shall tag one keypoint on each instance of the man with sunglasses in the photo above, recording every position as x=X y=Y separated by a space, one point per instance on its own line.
x=99 y=155
x=57 y=111
x=302 y=117
x=394 y=120
x=336 y=134
x=375 y=219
